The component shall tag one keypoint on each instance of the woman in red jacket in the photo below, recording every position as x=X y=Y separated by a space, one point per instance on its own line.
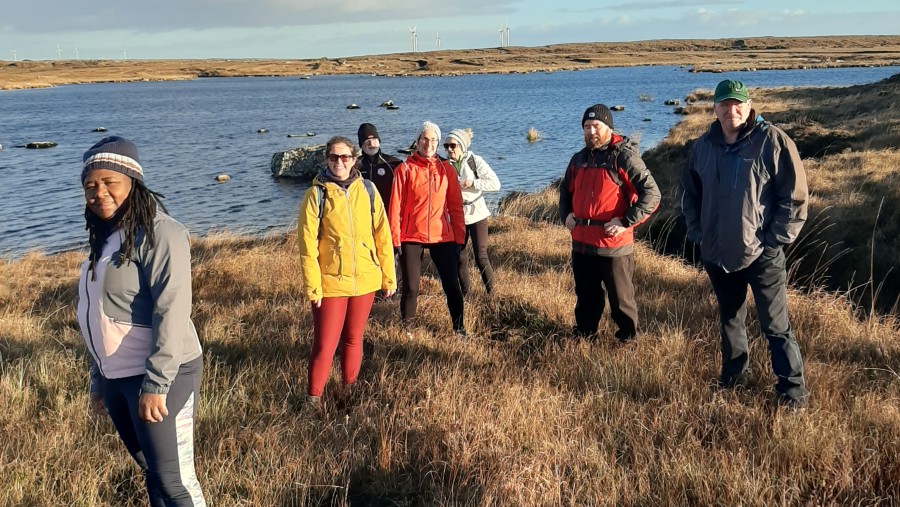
x=426 y=211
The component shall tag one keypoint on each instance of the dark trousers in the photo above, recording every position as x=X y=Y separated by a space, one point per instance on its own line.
x=479 y=234
x=446 y=259
x=595 y=278
x=766 y=278
x=164 y=450
x=338 y=321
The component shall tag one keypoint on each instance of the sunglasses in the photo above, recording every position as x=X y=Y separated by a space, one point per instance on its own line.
x=333 y=157
x=447 y=146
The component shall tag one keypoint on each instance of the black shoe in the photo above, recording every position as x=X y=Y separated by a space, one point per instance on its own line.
x=461 y=332
x=791 y=404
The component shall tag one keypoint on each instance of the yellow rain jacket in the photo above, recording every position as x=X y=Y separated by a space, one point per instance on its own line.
x=348 y=252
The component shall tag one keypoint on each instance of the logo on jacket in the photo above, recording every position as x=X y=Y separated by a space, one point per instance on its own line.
x=381 y=171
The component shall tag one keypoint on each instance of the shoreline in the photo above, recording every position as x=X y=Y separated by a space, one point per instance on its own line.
x=700 y=55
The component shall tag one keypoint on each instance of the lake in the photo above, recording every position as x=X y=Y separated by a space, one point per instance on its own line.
x=188 y=132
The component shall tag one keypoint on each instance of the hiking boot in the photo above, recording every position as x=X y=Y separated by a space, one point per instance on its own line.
x=790 y=404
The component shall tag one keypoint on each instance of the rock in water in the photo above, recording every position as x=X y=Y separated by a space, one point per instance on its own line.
x=617 y=108
x=99 y=129
x=222 y=178
x=352 y=106
x=304 y=162
x=39 y=145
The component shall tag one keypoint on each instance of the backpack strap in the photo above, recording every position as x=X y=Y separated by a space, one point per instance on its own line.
x=471 y=162
x=370 y=189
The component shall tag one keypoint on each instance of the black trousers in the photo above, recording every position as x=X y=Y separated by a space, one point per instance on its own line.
x=163 y=450
x=446 y=259
x=479 y=234
x=597 y=277
x=766 y=278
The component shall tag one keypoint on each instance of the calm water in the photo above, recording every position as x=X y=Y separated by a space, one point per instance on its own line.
x=188 y=132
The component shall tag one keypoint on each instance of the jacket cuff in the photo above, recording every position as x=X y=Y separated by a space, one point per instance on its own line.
x=148 y=388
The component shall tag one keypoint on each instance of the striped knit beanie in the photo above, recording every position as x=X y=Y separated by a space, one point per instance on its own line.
x=114 y=153
x=463 y=138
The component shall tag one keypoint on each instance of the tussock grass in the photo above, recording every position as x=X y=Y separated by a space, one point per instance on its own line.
x=848 y=138
x=519 y=414
x=533 y=135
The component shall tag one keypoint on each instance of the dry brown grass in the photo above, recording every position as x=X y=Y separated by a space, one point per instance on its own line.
x=710 y=55
x=848 y=138
x=516 y=415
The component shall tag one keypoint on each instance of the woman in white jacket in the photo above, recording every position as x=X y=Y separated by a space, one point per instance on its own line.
x=475 y=178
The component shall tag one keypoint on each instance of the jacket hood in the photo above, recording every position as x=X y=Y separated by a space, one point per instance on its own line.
x=326 y=177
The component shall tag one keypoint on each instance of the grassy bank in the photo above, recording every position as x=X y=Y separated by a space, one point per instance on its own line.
x=516 y=415
x=702 y=55
x=849 y=139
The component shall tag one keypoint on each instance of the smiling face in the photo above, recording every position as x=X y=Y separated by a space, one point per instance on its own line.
x=454 y=149
x=105 y=191
x=428 y=143
x=340 y=161
x=732 y=115
x=596 y=134
x=371 y=146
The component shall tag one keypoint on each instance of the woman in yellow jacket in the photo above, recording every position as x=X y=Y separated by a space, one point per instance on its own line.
x=345 y=257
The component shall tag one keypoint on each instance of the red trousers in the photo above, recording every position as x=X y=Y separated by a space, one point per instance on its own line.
x=339 y=320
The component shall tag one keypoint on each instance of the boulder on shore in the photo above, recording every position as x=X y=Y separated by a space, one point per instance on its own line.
x=303 y=162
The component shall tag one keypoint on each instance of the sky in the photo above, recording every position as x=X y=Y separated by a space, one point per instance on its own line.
x=291 y=29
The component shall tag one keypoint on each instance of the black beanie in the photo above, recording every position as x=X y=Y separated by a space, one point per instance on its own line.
x=598 y=112
x=366 y=130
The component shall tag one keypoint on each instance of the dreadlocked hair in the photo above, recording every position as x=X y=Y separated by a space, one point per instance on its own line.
x=136 y=213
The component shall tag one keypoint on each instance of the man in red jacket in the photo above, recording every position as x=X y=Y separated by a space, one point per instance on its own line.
x=605 y=193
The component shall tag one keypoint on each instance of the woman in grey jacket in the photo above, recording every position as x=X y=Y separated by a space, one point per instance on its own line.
x=134 y=311
x=475 y=178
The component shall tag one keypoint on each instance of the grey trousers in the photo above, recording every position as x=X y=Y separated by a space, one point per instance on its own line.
x=163 y=450
x=766 y=277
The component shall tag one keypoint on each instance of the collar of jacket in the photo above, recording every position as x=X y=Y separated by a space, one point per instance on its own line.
x=717 y=136
x=326 y=177
x=614 y=140
x=418 y=159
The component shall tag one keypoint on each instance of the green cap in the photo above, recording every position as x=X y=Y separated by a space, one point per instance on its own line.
x=731 y=89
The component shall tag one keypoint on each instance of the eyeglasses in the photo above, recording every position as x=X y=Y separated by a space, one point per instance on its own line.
x=447 y=146
x=427 y=140
x=333 y=157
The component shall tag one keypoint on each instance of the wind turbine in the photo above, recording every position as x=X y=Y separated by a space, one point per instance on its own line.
x=414 y=38
x=501 y=35
x=76 y=53
x=124 y=53
x=507 y=32
x=437 y=42
x=58 y=52
x=15 y=58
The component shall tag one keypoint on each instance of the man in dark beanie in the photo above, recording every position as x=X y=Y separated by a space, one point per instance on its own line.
x=606 y=192
x=374 y=165
x=745 y=199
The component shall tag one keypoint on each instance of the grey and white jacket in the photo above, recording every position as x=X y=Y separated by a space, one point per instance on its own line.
x=741 y=197
x=475 y=209
x=135 y=317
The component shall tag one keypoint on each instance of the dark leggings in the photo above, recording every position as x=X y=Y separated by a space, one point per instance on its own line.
x=164 y=450
x=479 y=234
x=446 y=259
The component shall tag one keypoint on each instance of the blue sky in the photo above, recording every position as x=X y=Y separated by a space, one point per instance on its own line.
x=333 y=28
